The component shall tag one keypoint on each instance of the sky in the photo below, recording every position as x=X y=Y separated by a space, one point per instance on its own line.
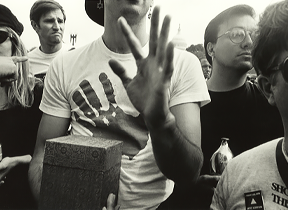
x=192 y=16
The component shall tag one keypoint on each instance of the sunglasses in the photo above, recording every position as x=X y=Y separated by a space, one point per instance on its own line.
x=283 y=67
x=237 y=35
x=4 y=35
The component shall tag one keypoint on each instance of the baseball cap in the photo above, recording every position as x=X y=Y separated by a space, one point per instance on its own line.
x=95 y=10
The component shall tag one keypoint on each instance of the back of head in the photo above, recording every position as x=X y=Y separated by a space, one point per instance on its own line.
x=211 y=32
x=272 y=37
x=197 y=50
x=8 y=19
x=41 y=7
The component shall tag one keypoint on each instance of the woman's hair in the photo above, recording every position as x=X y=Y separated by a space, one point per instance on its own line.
x=20 y=91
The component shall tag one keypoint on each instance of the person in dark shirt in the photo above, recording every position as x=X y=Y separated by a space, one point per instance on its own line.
x=238 y=110
x=20 y=96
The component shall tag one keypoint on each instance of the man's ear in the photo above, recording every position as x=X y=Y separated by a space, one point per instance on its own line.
x=266 y=88
x=34 y=25
x=210 y=49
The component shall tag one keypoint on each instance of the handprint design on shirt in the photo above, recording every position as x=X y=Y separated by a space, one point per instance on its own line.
x=112 y=123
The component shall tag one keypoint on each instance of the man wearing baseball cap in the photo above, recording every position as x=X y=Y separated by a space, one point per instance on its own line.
x=136 y=88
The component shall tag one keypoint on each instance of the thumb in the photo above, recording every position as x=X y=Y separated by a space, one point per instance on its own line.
x=119 y=70
x=17 y=59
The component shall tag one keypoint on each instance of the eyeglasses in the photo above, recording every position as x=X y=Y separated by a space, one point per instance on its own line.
x=283 y=67
x=237 y=35
x=4 y=35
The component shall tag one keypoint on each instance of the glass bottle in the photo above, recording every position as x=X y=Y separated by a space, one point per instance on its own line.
x=220 y=158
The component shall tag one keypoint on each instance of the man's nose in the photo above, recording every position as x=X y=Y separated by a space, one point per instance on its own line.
x=56 y=25
x=247 y=42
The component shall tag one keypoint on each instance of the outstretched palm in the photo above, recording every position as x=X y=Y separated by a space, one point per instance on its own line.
x=148 y=89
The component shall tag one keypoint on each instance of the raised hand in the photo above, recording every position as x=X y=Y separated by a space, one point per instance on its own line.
x=8 y=68
x=110 y=123
x=148 y=91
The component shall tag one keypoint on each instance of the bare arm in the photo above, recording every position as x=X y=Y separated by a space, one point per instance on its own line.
x=176 y=144
x=175 y=133
x=50 y=127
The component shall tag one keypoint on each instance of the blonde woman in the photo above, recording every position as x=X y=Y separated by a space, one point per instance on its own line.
x=20 y=95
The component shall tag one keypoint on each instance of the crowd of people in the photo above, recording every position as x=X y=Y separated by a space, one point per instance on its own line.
x=134 y=86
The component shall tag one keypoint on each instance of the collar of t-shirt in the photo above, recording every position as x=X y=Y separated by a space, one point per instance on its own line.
x=282 y=162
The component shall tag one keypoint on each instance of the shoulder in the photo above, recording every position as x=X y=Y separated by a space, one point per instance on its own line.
x=185 y=56
x=255 y=156
x=33 y=52
x=71 y=55
x=186 y=62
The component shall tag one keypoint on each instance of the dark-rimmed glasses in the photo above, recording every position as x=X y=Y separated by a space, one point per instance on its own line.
x=283 y=67
x=237 y=35
x=4 y=35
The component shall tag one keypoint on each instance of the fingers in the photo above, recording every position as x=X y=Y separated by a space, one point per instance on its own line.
x=111 y=200
x=168 y=64
x=19 y=59
x=119 y=70
x=210 y=180
x=154 y=31
x=132 y=40
x=163 y=39
x=8 y=69
x=108 y=87
x=111 y=203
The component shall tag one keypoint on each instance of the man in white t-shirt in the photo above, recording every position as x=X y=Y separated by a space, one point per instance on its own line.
x=258 y=178
x=152 y=105
x=48 y=20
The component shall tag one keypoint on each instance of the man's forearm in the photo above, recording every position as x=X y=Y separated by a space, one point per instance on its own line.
x=178 y=158
x=35 y=175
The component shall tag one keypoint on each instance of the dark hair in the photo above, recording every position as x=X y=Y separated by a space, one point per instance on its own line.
x=272 y=37
x=42 y=7
x=197 y=50
x=212 y=29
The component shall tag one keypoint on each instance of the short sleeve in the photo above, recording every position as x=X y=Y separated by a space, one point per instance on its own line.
x=54 y=101
x=188 y=83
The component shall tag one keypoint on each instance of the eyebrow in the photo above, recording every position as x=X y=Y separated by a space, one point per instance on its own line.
x=52 y=18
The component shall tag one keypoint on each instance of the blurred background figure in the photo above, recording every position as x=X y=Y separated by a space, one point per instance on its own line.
x=48 y=20
x=20 y=96
x=199 y=51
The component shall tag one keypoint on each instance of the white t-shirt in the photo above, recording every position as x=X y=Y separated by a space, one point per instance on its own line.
x=80 y=84
x=255 y=173
x=40 y=61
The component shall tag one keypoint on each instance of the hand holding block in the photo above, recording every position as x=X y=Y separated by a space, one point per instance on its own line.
x=79 y=172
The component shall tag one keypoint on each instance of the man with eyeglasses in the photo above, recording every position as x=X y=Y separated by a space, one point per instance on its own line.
x=238 y=110
x=258 y=178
